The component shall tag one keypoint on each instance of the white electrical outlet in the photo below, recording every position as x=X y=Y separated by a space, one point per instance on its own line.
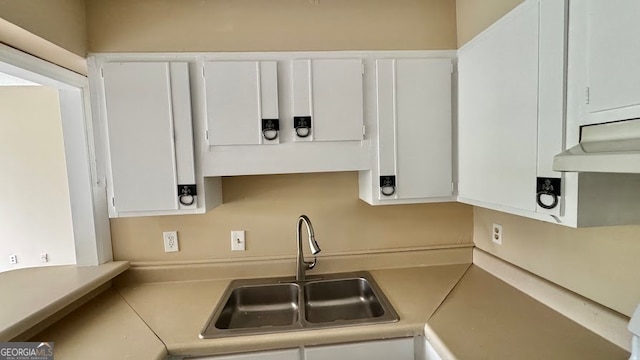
x=237 y=240
x=170 y=241
x=13 y=259
x=44 y=257
x=496 y=234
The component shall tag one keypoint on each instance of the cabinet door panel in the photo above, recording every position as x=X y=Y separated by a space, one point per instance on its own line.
x=140 y=136
x=423 y=127
x=331 y=92
x=414 y=126
x=386 y=118
x=397 y=349
x=613 y=55
x=337 y=99
x=233 y=102
x=269 y=89
x=181 y=104
x=498 y=97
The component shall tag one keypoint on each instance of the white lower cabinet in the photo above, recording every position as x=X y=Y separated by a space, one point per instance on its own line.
x=289 y=354
x=411 y=348
x=397 y=349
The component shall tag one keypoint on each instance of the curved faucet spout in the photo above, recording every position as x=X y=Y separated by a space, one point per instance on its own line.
x=303 y=266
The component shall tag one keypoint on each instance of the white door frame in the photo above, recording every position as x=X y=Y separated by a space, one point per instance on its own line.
x=87 y=189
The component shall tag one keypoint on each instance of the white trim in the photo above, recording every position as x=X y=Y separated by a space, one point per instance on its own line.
x=273 y=55
x=593 y=316
x=87 y=195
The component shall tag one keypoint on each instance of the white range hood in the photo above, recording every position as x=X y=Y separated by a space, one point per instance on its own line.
x=609 y=147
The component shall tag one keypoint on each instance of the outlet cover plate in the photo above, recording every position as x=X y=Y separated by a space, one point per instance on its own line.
x=496 y=234
x=237 y=240
x=170 y=241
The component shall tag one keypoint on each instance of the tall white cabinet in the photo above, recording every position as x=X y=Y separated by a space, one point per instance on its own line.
x=412 y=157
x=511 y=112
x=146 y=112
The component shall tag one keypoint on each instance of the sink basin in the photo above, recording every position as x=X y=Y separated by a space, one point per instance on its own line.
x=260 y=306
x=348 y=299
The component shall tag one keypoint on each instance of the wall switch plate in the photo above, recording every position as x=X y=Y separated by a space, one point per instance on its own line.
x=496 y=234
x=237 y=240
x=170 y=241
x=44 y=257
x=13 y=259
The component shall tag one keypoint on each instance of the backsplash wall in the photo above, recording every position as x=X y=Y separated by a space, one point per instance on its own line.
x=267 y=208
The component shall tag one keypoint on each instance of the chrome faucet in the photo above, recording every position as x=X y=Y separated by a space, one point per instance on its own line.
x=301 y=265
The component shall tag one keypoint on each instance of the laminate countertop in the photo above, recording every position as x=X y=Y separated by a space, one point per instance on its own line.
x=473 y=314
x=31 y=295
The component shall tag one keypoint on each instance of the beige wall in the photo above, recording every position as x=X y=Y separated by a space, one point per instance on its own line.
x=267 y=208
x=35 y=214
x=274 y=25
x=473 y=16
x=598 y=263
x=62 y=22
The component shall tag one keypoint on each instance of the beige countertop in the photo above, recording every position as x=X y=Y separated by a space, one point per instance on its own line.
x=469 y=313
x=177 y=311
x=486 y=318
x=104 y=328
x=31 y=295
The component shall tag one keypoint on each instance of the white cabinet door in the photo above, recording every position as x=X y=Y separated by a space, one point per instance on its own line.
x=511 y=111
x=239 y=95
x=292 y=354
x=498 y=93
x=148 y=116
x=396 y=349
x=613 y=60
x=330 y=92
x=414 y=127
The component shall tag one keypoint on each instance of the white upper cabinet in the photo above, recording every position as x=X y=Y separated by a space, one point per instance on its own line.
x=511 y=114
x=327 y=99
x=513 y=118
x=612 y=48
x=312 y=102
x=413 y=155
x=242 y=102
x=147 y=108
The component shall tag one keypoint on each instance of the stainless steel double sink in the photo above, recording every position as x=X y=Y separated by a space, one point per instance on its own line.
x=259 y=306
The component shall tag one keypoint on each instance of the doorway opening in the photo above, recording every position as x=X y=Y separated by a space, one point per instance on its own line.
x=40 y=168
